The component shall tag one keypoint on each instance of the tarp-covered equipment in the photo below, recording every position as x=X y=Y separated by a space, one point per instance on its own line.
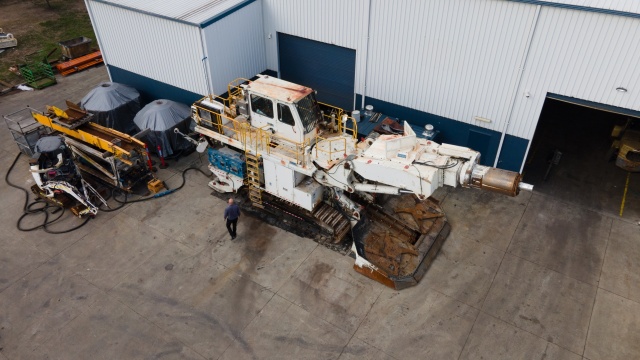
x=113 y=105
x=162 y=117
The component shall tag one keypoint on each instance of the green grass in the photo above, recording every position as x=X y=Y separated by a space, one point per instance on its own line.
x=67 y=22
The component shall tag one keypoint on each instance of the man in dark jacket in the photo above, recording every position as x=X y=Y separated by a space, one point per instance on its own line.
x=231 y=214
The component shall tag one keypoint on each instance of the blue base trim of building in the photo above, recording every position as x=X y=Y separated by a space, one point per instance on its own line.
x=458 y=133
x=152 y=89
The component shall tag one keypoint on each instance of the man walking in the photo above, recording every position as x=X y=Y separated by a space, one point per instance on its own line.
x=231 y=214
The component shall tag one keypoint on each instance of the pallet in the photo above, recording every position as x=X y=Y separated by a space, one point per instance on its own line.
x=81 y=63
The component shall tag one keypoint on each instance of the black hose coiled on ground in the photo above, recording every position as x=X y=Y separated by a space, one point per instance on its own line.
x=30 y=209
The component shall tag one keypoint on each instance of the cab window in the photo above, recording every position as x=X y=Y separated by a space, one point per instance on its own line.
x=262 y=106
x=284 y=114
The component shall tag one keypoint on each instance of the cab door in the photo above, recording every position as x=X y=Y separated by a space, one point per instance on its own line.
x=262 y=112
x=287 y=126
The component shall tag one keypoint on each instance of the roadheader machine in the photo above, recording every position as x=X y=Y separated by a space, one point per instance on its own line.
x=297 y=156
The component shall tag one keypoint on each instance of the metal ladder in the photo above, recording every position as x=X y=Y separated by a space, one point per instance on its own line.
x=253 y=179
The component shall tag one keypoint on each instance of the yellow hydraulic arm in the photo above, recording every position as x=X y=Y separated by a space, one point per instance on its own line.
x=99 y=136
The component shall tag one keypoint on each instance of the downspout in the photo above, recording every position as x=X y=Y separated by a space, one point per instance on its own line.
x=532 y=31
x=205 y=62
x=95 y=30
x=366 y=61
x=264 y=37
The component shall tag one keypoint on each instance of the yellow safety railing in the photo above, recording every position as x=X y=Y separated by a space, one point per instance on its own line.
x=342 y=127
x=233 y=88
x=292 y=149
x=340 y=150
x=260 y=139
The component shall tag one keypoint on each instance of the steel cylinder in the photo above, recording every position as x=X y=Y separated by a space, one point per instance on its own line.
x=501 y=181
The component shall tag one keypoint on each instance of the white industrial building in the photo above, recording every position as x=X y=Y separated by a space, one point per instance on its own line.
x=479 y=70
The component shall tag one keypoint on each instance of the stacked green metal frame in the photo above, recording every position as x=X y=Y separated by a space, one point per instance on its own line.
x=38 y=73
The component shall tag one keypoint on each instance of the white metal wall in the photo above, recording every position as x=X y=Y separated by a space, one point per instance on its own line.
x=235 y=46
x=579 y=54
x=153 y=47
x=339 y=22
x=453 y=58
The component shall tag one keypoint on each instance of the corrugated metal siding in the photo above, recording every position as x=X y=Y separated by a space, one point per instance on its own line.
x=582 y=55
x=338 y=22
x=236 y=46
x=159 y=49
x=452 y=58
x=193 y=11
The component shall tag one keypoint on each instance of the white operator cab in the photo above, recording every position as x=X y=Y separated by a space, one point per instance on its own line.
x=289 y=110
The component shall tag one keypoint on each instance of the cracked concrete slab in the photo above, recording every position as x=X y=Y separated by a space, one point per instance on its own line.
x=358 y=349
x=203 y=303
x=110 y=330
x=109 y=253
x=562 y=237
x=495 y=339
x=615 y=328
x=326 y=285
x=17 y=259
x=265 y=254
x=621 y=269
x=487 y=217
x=464 y=269
x=283 y=330
x=38 y=306
x=418 y=320
x=543 y=302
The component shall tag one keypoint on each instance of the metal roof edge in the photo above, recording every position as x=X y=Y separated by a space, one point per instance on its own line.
x=225 y=13
x=145 y=12
x=580 y=7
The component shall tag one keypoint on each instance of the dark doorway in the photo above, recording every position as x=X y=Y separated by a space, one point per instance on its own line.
x=585 y=173
x=328 y=69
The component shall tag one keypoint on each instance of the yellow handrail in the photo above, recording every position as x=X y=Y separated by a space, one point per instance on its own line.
x=234 y=89
x=343 y=150
x=257 y=138
x=342 y=128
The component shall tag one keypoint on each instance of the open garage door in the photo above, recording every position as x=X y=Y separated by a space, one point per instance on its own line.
x=327 y=68
x=571 y=156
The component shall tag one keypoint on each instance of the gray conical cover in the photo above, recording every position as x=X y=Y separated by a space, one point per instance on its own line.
x=108 y=96
x=113 y=105
x=162 y=117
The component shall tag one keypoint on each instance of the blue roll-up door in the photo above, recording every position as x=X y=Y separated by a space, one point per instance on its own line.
x=326 y=68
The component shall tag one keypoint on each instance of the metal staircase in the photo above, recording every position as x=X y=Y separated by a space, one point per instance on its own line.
x=253 y=179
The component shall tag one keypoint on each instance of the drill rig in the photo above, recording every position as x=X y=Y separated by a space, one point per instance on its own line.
x=87 y=151
x=303 y=157
x=58 y=180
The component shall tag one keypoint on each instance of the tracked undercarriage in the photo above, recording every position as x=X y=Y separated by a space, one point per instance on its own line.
x=401 y=238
